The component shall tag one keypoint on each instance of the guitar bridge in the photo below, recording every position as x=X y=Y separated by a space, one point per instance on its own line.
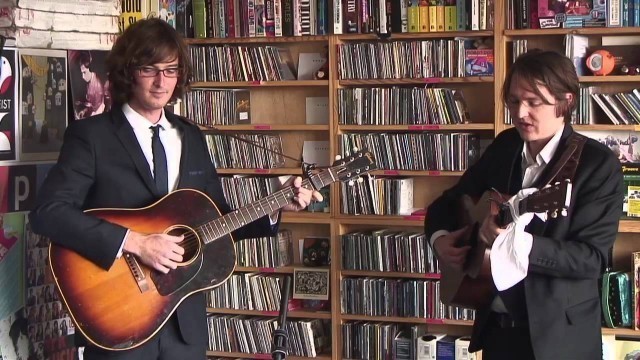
x=137 y=272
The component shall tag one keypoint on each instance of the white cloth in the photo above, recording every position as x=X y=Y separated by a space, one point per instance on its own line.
x=510 y=251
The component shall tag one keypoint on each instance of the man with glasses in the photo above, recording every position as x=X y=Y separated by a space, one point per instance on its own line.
x=545 y=304
x=129 y=157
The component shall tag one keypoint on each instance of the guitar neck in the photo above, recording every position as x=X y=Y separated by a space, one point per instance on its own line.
x=234 y=220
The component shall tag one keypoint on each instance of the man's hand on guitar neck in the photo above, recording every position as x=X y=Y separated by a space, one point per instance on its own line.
x=159 y=251
x=448 y=253
x=302 y=196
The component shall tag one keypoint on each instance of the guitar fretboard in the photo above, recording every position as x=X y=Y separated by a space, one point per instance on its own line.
x=224 y=225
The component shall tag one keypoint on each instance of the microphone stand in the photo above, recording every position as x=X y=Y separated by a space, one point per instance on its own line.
x=280 y=345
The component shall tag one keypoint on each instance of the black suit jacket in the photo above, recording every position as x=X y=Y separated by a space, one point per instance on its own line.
x=101 y=165
x=559 y=296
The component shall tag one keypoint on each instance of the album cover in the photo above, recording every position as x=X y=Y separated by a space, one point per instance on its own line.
x=311 y=283
x=89 y=83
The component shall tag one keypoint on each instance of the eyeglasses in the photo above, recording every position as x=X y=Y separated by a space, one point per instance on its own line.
x=150 y=71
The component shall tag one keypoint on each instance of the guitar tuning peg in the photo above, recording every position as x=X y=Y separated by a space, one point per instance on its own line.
x=350 y=183
x=547 y=186
x=557 y=183
x=554 y=214
x=564 y=212
x=360 y=179
x=355 y=149
x=338 y=157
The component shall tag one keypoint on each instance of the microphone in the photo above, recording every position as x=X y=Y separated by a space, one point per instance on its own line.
x=280 y=345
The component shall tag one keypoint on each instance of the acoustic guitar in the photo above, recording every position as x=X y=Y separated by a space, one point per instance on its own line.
x=473 y=287
x=125 y=306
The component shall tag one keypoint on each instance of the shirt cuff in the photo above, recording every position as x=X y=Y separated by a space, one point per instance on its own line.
x=436 y=235
x=273 y=217
x=122 y=245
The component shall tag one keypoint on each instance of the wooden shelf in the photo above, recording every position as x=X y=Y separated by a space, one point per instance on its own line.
x=581 y=31
x=275 y=270
x=621 y=332
x=272 y=171
x=417 y=173
x=629 y=226
x=378 y=220
x=258 y=40
x=413 y=36
x=290 y=313
x=262 y=356
x=406 y=320
x=435 y=80
x=306 y=217
x=252 y=84
x=264 y=127
x=457 y=127
x=606 y=127
x=390 y=274
x=609 y=79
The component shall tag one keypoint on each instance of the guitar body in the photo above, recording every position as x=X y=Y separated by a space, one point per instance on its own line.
x=125 y=306
x=473 y=287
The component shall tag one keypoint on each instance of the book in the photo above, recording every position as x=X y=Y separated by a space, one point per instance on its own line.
x=317 y=110
x=132 y=11
x=631 y=179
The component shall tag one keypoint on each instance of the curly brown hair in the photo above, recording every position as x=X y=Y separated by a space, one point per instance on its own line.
x=146 y=42
x=550 y=69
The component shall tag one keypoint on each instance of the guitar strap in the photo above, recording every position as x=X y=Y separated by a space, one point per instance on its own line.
x=565 y=167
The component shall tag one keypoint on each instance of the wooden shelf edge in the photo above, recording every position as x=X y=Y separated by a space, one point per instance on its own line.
x=257 y=84
x=264 y=127
x=272 y=171
x=629 y=226
x=417 y=35
x=580 y=31
x=621 y=332
x=256 y=40
x=430 y=127
x=304 y=217
x=261 y=356
x=420 y=81
x=609 y=78
x=385 y=274
x=290 y=313
x=408 y=320
x=411 y=221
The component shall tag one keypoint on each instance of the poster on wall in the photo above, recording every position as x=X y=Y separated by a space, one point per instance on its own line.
x=14 y=343
x=43 y=92
x=8 y=107
x=89 y=84
x=50 y=329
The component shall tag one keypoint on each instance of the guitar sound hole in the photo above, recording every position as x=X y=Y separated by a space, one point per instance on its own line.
x=190 y=243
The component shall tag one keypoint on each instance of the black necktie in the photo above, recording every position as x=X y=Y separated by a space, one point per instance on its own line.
x=159 y=161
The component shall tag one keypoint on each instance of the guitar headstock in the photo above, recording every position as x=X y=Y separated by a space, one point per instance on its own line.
x=554 y=199
x=354 y=165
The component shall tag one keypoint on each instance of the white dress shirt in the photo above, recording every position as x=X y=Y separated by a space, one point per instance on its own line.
x=171 y=141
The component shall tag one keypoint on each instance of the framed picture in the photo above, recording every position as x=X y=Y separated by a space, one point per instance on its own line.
x=43 y=95
x=8 y=104
x=311 y=283
x=89 y=84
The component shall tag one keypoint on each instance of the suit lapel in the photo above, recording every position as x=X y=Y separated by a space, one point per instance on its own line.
x=127 y=137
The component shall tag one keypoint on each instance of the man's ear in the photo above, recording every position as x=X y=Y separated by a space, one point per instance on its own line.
x=563 y=107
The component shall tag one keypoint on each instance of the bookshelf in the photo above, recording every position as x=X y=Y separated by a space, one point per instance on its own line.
x=487 y=113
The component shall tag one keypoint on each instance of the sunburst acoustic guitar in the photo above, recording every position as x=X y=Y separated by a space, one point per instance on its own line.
x=125 y=306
